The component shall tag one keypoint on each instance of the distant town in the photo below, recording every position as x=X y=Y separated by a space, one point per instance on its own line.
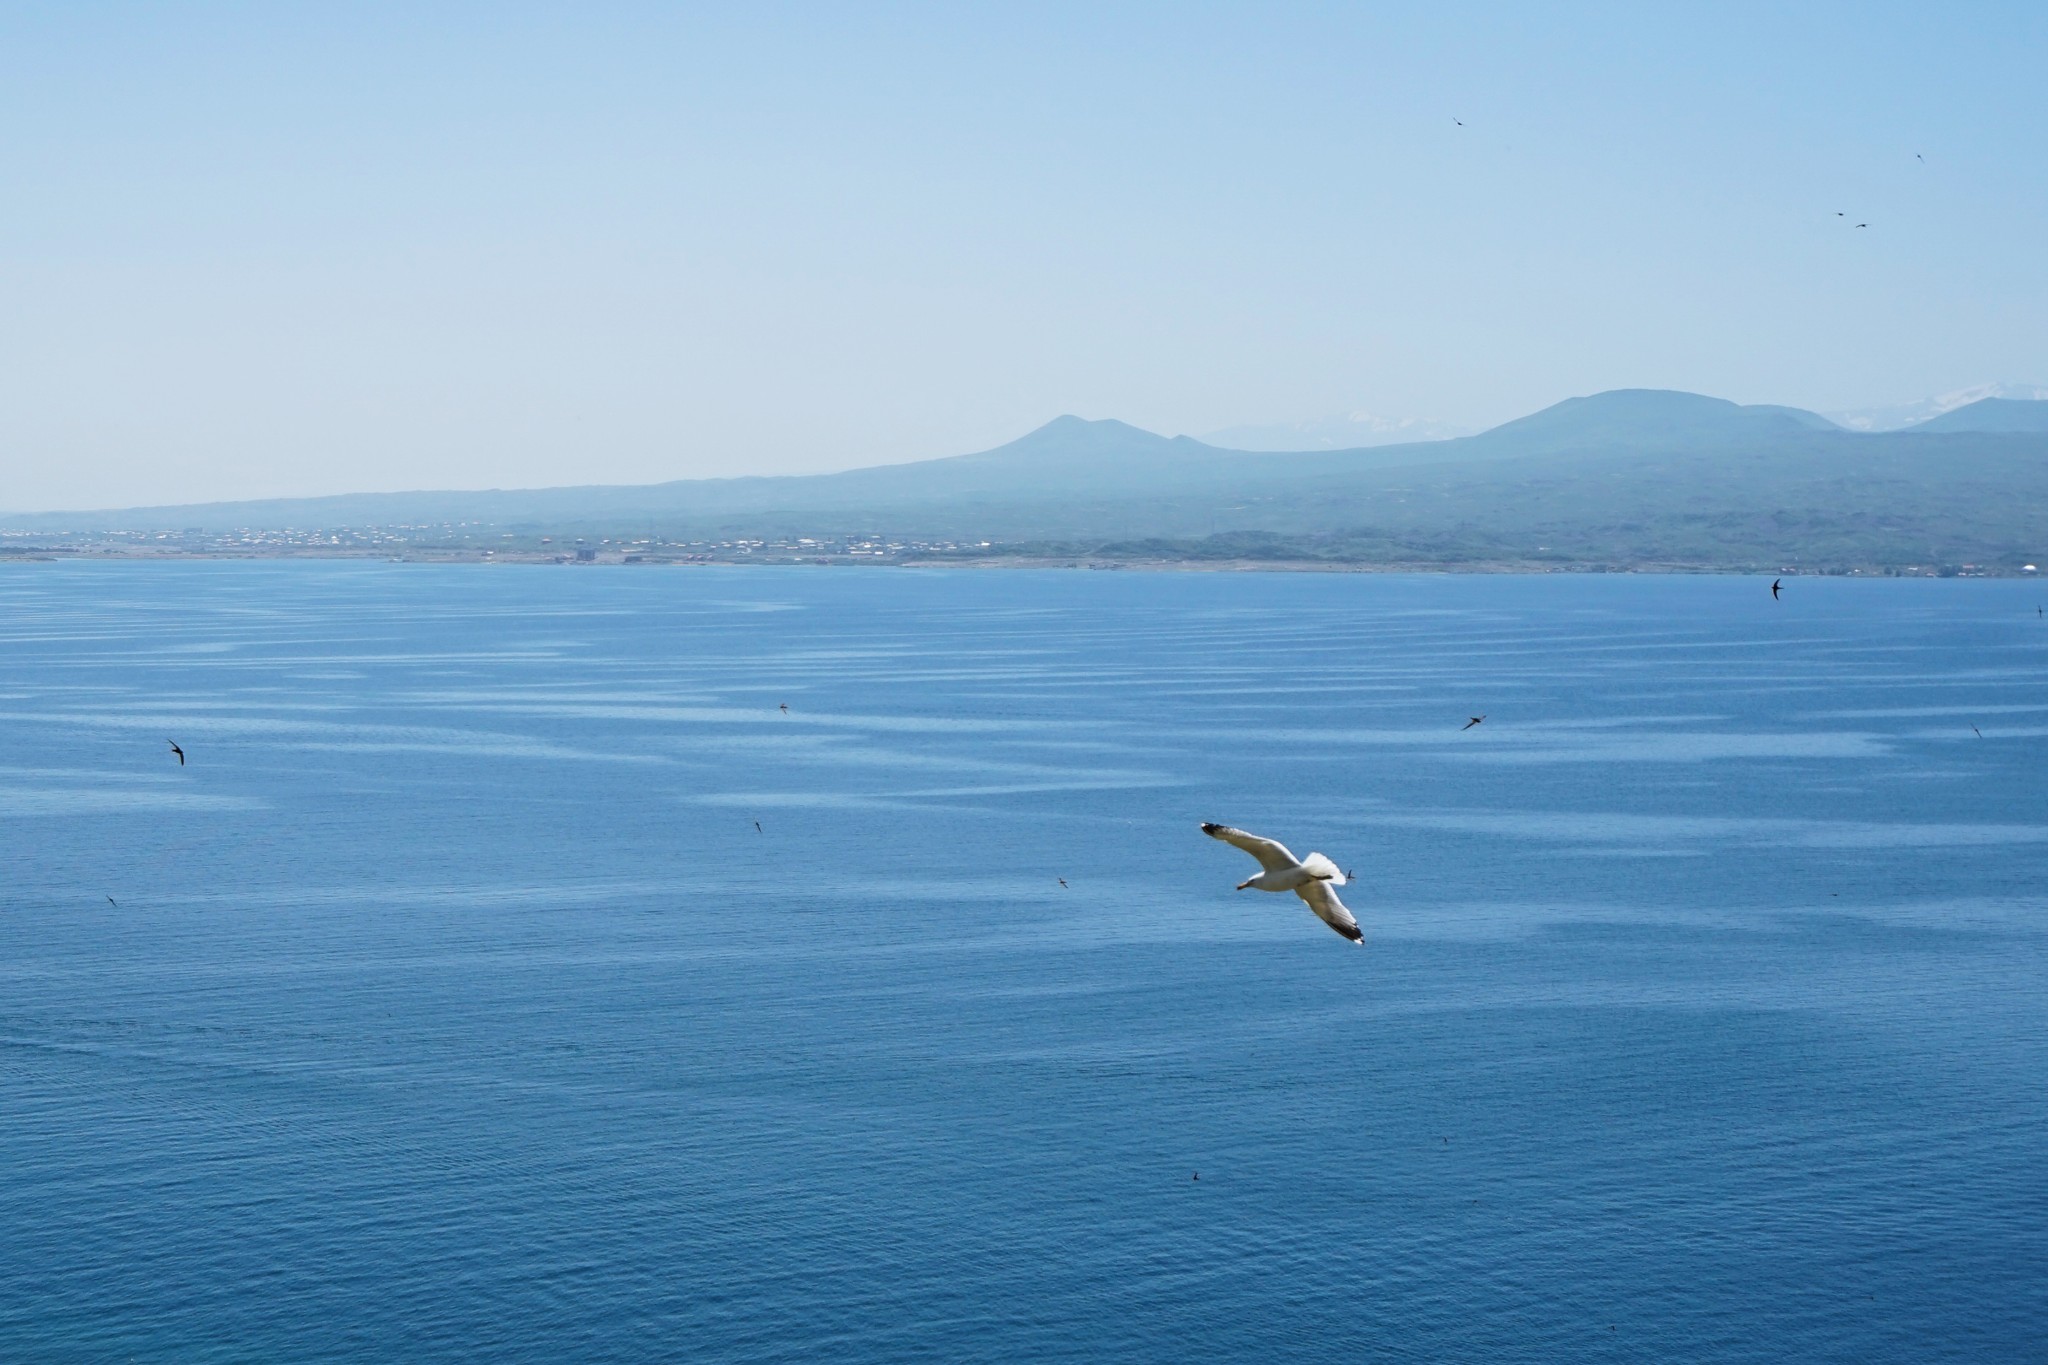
x=477 y=542
x=467 y=541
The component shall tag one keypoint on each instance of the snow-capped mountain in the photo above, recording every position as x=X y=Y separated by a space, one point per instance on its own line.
x=1908 y=414
x=1348 y=431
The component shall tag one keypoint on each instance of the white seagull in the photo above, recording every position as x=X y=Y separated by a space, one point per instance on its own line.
x=1310 y=878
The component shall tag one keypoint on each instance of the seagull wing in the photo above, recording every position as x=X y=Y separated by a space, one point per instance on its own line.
x=1271 y=853
x=1323 y=900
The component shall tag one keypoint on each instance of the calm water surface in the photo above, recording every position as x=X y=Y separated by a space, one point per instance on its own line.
x=454 y=1009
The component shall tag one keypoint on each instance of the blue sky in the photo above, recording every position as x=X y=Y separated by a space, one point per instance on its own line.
x=264 y=250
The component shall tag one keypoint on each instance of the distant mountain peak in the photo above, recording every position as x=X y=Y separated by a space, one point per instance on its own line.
x=1068 y=427
x=1895 y=416
x=1347 y=431
x=1648 y=417
x=1990 y=415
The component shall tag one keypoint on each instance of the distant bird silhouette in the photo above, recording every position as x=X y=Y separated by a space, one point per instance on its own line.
x=1198 y=1175
x=758 y=829
x=1470 y=723
x=1840 y=214
x=1975 y=731
x=1776 y=583
x=176 y=750
x=1061 y=880
x=1863 y=225
x=785 y=708
x=1460 y=122
x=111 y=901
x=1918 y=157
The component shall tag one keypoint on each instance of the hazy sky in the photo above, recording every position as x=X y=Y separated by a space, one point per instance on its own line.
x=266 y=249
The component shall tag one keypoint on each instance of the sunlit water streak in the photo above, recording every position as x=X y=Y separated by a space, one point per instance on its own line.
x=453 y=1008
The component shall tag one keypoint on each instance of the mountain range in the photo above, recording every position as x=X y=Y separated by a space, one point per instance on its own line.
x=1627 y=477
x=1899 y=416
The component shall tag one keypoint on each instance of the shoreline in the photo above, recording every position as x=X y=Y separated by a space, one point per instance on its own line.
x=101 y=553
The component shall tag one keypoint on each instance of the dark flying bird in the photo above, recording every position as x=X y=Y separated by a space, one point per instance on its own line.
x=1460 y=122
x=1863 y=225
x=757 y=828
x=176 y=750
x=111 y=901
x=1776 y=583
x=1470 y=723
x=785 y=708
x=1061 y=880
x=1975 y=731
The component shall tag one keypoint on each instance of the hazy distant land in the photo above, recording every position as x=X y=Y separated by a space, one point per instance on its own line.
x=1626 y=480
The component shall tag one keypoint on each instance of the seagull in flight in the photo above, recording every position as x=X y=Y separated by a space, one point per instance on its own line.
x=1470 y=723
x=757 y=828
x=1061 y=880
x=1776 y=583
x=1310 y=878
x=785 y=708
x=176 y=750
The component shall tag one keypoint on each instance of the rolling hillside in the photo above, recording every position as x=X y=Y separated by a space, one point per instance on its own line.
x=1630 y=476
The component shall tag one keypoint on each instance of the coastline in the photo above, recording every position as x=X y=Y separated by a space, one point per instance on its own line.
x=612 y=557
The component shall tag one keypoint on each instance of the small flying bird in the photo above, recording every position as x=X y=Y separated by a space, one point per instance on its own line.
x=1975 y=731
x=1460 y=122
x=1776 y=583
x=757 y=827
x=1470 y=723
x=1863 y=225
x=176 y=750
x=1840 y=214
x=111 y=901
x=1061 y=880
x=785 y=708
x=1309 y=878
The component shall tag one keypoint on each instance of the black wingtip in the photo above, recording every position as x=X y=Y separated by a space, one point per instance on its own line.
x=1209 y=827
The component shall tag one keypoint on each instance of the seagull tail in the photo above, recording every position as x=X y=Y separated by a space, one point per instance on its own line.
x=1324 y=869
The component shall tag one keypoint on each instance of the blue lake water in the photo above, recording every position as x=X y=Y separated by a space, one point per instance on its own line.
x=453 y=1008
